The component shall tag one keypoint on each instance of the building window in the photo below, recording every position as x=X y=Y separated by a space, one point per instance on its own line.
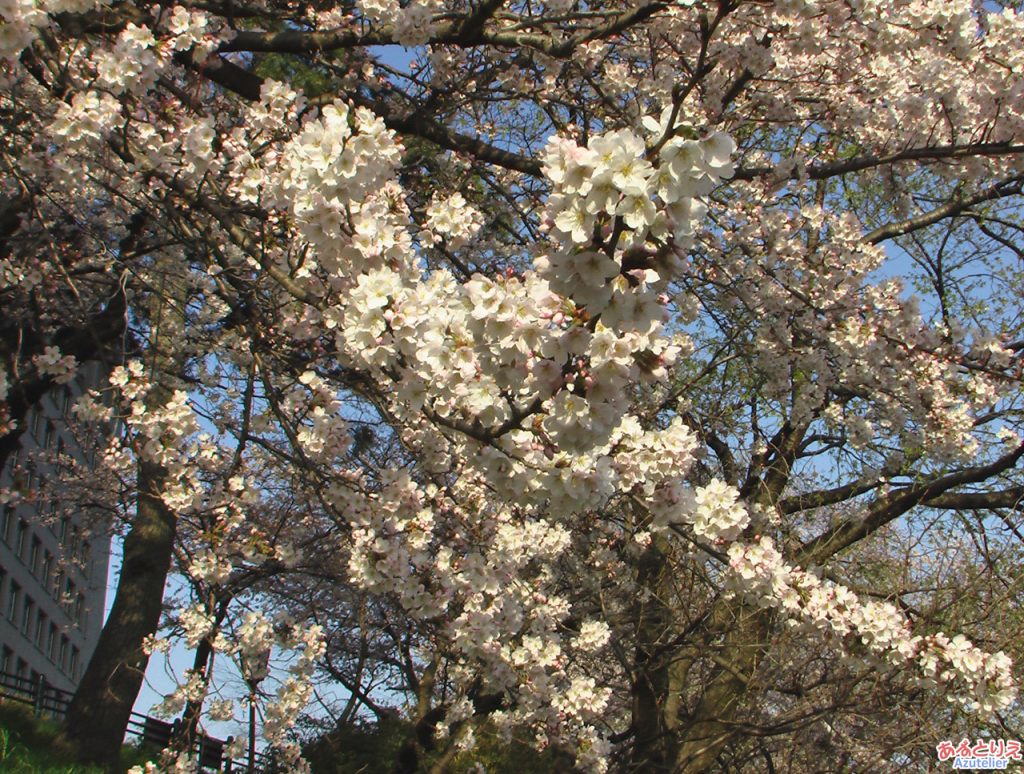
x=21 y=668
x=26 y=615
x=63 y=658
x=51 y=643
x=46 y=576
x=40 y=629
x=58 y=584
x=49 y=435
x=80 y=611
x=20 y=541
x=6 y=654
x=12 y=601
x=75 y=543
x=73 y=666
x=61 y=459
x=84 y=552
x=67 y=599
x=6 y=523
x=35 y=556
x=62 y=530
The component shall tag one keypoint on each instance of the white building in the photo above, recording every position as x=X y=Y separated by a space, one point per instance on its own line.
x=53 y=567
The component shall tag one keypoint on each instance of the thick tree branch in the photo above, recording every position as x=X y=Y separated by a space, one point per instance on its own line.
x=1001 y=190
x=974 y=501
x=819 y=499
x=466 y=31
x=427 y=129
x=894 y=504
x=860 y=163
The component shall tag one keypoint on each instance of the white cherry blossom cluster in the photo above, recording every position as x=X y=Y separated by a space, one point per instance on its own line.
x=210 y=566
x=379 y=11
x=86 y=120
x=52 y=363
x=132 y=64
x=477 y=352
x=415 y=23
x=167 y=430
x=818 y=313
x=499 y=574
x=714 y=511
x=254 y=643
x=980 y=681
x=196 y=624
x=185 y=147
x=321 y=429
x=411 y=24
x=885 y=73
x=189 y=29
x=334 y=178
x=617 y=183
x=642 y=463
x=451 y=219
x=164 y=429
x=295 y=691
x=21 y=20
x=193 y=688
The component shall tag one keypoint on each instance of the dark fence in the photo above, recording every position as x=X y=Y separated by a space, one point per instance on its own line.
x=48 y=700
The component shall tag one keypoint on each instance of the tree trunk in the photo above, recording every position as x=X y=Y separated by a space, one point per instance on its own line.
x=653 y=744
x=666 y=738
x=709 y=727
x=100 y=710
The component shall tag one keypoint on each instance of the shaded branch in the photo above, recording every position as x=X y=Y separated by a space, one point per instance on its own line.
x=894 y=504
x=956 y=206
x=973 y=501
x=860 y=163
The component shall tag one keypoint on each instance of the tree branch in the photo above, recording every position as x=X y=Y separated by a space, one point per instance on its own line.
x=894 y=504
x=860 y=163
x=998 y=191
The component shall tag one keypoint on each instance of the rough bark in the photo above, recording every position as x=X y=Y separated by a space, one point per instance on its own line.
x=666 y=737
x=705 y=731
x=653 y=723
x=100 y=710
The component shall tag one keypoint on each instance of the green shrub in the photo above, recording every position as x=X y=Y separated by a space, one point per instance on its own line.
x=31 y=745
x=372 y=748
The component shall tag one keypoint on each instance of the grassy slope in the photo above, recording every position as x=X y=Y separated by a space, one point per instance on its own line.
x=29 y=745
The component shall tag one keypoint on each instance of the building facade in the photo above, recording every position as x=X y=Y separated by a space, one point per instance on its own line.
x=53 y=562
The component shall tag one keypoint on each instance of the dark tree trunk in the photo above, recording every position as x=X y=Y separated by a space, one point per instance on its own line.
x=705 y=732
x=99 y=713
x=653 y=725
x=666 y=736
